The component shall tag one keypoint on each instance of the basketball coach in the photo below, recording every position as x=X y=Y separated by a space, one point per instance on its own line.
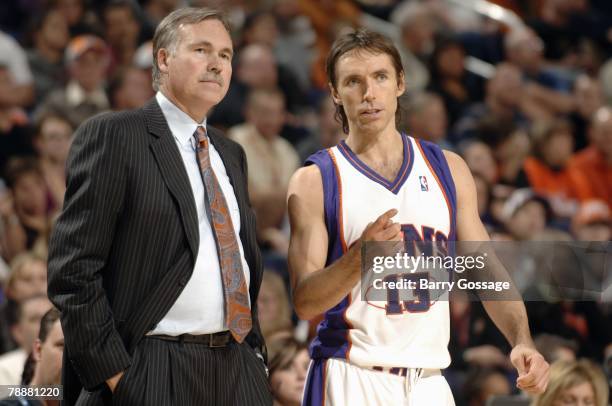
x=153 y=261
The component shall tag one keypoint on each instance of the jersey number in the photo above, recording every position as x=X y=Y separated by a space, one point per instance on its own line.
x=396 y=306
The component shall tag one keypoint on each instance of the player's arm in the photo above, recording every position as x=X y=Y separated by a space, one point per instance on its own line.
x=317 y=288
x=509 y=316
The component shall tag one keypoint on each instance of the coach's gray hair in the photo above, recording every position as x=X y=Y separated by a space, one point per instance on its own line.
x=167 y=36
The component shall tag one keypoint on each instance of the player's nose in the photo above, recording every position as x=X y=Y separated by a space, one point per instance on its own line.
x=369 y=95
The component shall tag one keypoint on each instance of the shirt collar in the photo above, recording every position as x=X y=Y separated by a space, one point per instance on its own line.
x=181 y=125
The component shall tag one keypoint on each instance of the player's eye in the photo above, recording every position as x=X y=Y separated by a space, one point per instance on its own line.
x=382 y=76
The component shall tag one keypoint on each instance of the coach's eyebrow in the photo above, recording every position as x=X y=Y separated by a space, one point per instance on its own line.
x=209 y=45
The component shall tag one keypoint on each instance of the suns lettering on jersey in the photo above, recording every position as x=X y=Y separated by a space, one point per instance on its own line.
x=415 y=244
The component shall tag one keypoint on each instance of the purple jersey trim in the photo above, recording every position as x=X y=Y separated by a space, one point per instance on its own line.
x=314 y=390
x=332 y=333
x=402 y=174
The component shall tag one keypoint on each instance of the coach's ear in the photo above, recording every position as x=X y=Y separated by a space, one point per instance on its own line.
x=334 y=94
x=162 y=60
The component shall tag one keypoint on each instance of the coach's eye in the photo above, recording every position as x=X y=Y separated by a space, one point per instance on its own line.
x=353 y=82
x=199 y=50
x=381 y=76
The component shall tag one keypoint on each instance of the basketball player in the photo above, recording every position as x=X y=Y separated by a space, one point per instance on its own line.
x=380 y=185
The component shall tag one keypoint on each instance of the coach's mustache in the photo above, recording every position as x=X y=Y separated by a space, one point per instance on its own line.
x=212 y=77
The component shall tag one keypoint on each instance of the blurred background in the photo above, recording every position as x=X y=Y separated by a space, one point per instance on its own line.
x=520 y=89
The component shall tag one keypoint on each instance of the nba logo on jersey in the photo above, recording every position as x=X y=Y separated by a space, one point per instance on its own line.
x=423 y=182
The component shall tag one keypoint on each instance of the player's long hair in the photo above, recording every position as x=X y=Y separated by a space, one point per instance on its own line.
x=363 y=40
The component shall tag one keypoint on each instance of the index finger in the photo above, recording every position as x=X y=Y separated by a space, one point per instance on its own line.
x=385 y=217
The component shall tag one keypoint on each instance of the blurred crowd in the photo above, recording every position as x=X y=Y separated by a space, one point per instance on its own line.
x=521 y=89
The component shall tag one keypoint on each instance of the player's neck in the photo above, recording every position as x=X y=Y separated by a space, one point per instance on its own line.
x=375 y=145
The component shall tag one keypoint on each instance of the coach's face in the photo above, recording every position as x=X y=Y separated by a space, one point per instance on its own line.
x=198 y=70
x=367 y=87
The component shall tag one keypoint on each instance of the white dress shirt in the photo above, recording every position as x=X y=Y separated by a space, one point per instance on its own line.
x=200 y=308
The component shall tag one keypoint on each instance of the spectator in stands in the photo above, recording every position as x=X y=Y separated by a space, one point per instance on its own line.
x=450 y=80
x=294 y=46
x=156 y=10
x=479 y=158
x=130 y=88
x=567 y=27
x=426 y=117
x=272 y=161
x=552 y=146
x=484 y=383
x=15 y=135
x=19 y=90
x=28 y=277
x=588 y=94
x=593 y=222
x=526 y=214
x=76 y=15
x=483 y=194
x=524 y=49
x=24 y=211
x=416 y=41
x=87 y=60
x=24 y=331
x=510 y=145
x=591 y=169
x=44 y=366
x=503 y=101
x=122 y=31
x=327 y=132
x=574 y=383
x=256 y=66
x=49 y=37
x=52 y=140
x=273 y=307
x=554 y=348
x=260 y=27
x=288 y=366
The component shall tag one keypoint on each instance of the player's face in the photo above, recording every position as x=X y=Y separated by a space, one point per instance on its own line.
x=367 y=87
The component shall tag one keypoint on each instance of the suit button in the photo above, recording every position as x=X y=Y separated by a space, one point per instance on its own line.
x=183 y=281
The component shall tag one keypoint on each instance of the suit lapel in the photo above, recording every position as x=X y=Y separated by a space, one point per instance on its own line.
x=171 y=166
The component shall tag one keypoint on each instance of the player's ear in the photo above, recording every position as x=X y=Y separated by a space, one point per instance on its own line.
x=401 y=84
x=334 y=94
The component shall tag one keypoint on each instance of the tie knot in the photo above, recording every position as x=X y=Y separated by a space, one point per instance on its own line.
x=200 y=136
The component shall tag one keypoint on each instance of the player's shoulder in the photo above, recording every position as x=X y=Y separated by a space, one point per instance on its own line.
x=455 y=162
x=306 y=178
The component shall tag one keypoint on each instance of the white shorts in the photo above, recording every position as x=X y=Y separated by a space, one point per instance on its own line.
x=335 y=382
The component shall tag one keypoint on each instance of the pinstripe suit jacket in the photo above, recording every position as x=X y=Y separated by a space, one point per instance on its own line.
x=125 y=243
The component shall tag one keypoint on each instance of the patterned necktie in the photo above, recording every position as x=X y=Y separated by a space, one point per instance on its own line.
x=237 y=311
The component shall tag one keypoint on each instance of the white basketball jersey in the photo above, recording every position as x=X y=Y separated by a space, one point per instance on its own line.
x=366 y=332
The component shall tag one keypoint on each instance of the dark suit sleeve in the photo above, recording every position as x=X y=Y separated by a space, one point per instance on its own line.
x=79 y=248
